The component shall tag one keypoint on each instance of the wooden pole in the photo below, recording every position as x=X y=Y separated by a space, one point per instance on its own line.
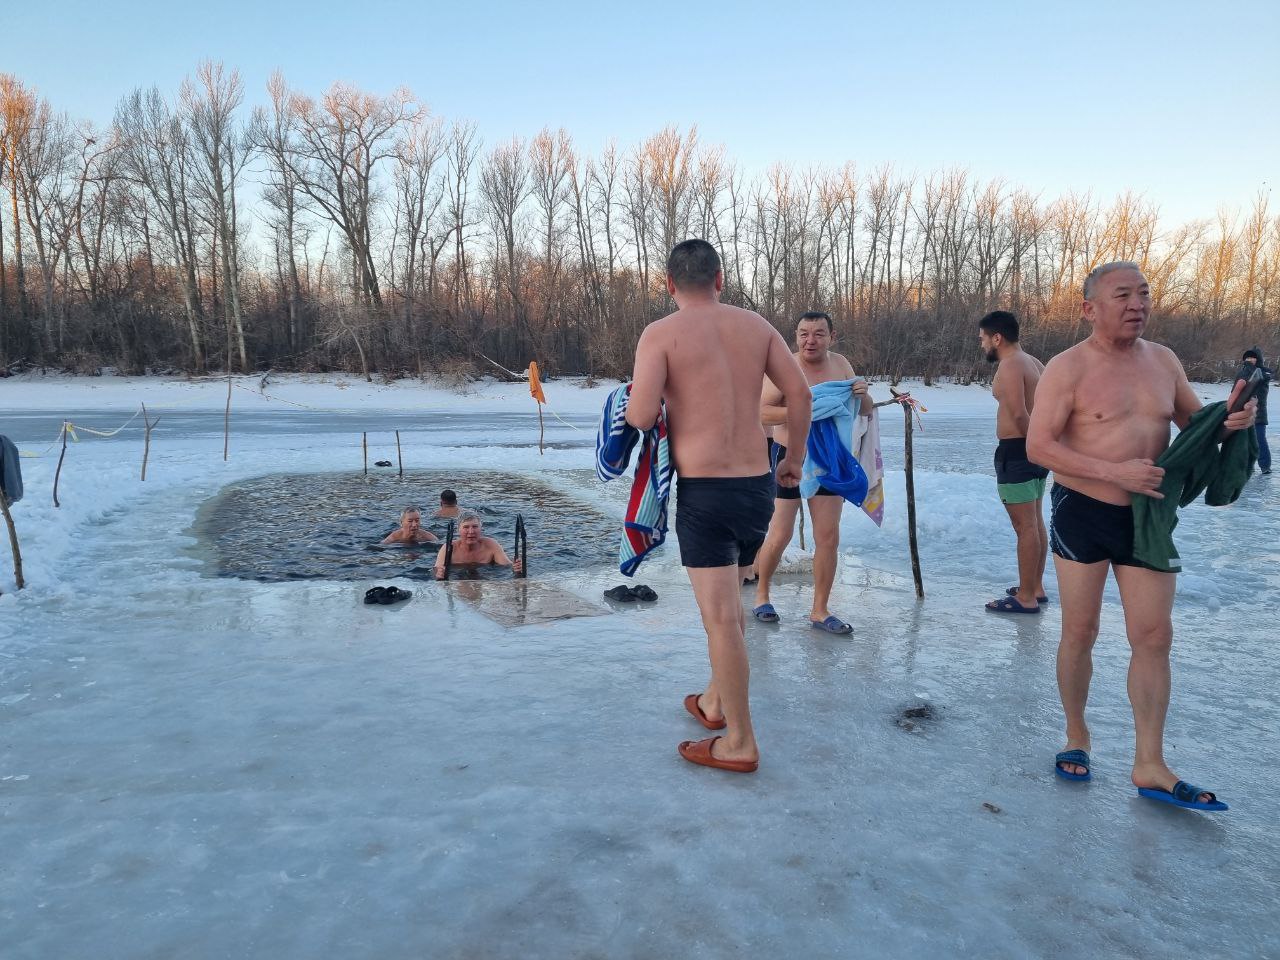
x=802 y=546
x=57 y=473
x=226 y=420
x=364 y=446
x=147 y=425
x=540 y=429
x=399 y=458
x=13 y=540
x=911 y=504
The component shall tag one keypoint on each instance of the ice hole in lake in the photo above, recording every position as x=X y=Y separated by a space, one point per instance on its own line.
x=328 y=525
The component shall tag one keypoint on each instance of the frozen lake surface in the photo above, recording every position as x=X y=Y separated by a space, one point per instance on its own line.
x=194 y=766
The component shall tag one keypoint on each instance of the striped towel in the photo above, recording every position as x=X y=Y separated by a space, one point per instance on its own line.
x=645 y=524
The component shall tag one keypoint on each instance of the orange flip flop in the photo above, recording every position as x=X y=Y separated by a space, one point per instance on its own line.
x=695 y=711
x=699 y=752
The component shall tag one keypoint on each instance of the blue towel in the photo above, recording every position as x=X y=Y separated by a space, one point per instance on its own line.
x=10 y=470
x=829 y=459
x=644 y=525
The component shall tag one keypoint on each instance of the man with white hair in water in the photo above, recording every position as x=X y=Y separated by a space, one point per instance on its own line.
x=471 y=548
x=410 y=529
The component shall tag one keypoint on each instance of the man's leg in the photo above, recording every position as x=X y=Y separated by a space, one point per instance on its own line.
x=1044 y=547
x=825 y=512
x=781 y=527
x=1031 y=548
x=719 y=595
x=1147 y=598
x=709 y=701
x=1080 y=594
x=1264 y=451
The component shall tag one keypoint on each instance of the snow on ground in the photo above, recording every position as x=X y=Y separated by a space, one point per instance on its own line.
x=193 y=766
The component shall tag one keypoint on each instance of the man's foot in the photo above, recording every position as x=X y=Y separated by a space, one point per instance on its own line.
x=1007 y=604
x=1159 y=779
x=1075 y=760
x=703 y=752
x=830 y=624
x=1041 y=597
x=1073 y=767
x=765 y=613
x=693 y=703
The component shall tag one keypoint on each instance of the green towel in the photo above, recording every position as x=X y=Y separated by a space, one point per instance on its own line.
x=1193 y=464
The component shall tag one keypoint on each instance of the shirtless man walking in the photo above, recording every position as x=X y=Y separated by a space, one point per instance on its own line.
x=707 y=361
x=820 y=365
x=1019 y=482
x=1101 y=418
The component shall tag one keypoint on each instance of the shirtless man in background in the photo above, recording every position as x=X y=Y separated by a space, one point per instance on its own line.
x=708 y=361
x=1019 y=482
x=819 y=364
x=410 y=529
x=1102 y=415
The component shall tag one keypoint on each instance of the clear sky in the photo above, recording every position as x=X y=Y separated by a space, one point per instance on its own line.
x=1178 y=101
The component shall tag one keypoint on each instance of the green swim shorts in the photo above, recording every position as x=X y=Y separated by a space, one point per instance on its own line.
x=1025 y=492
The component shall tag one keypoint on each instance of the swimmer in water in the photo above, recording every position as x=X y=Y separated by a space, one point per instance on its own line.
x=448 y=509
x=472 y=548
x=410 y=530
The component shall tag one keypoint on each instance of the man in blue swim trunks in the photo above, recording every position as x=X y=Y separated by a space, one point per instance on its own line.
x=1102 y=415
x=814 y=334
x=707 y=361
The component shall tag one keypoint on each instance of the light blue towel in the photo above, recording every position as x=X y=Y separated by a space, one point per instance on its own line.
x=834 y=401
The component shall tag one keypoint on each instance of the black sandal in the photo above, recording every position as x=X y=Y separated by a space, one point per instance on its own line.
x=621 y=593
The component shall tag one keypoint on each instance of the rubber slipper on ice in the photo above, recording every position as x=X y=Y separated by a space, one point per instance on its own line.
x=831 y=625
x=1077 y=758
x=1013 y=592
x=622 y=593
x=699 y=751
x=1183 y=795
x=643 y=592
x=1010 y=605
x=695 y=711
x=394 y=595
x=765 y=613
x=375 y=595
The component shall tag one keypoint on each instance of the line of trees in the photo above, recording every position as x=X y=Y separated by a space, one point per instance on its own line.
x=358 y=231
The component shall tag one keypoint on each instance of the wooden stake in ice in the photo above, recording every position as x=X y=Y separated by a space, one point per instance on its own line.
x=147 y=426
x=535 y=390
x=13 y=540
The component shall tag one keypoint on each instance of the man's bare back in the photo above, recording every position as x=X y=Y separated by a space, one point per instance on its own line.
x=714 y=358
x=1014 y=386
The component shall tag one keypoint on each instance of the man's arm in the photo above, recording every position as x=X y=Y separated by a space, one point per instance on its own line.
x=390 y=537
x=783 y=369
x=430 y=537
x=498 y=557
x=1012 y=398
x=440 y=562
x=773 y=405
x=648 y=381
x=860 y=389
x=1055 y=401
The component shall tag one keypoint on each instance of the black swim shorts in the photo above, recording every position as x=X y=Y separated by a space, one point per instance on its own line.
x=1018 y=480
x=721 y=521
x=776 y=452
x=1089 y=531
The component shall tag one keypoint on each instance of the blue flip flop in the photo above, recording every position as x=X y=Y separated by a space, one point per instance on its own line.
x=1079 y=757
x=1010 y=605
x=1013 y=592
x=765 y=613
x=831 y=625
x=1183 y=794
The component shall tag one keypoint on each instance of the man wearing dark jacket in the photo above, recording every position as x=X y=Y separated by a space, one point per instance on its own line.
x=1254 y=356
